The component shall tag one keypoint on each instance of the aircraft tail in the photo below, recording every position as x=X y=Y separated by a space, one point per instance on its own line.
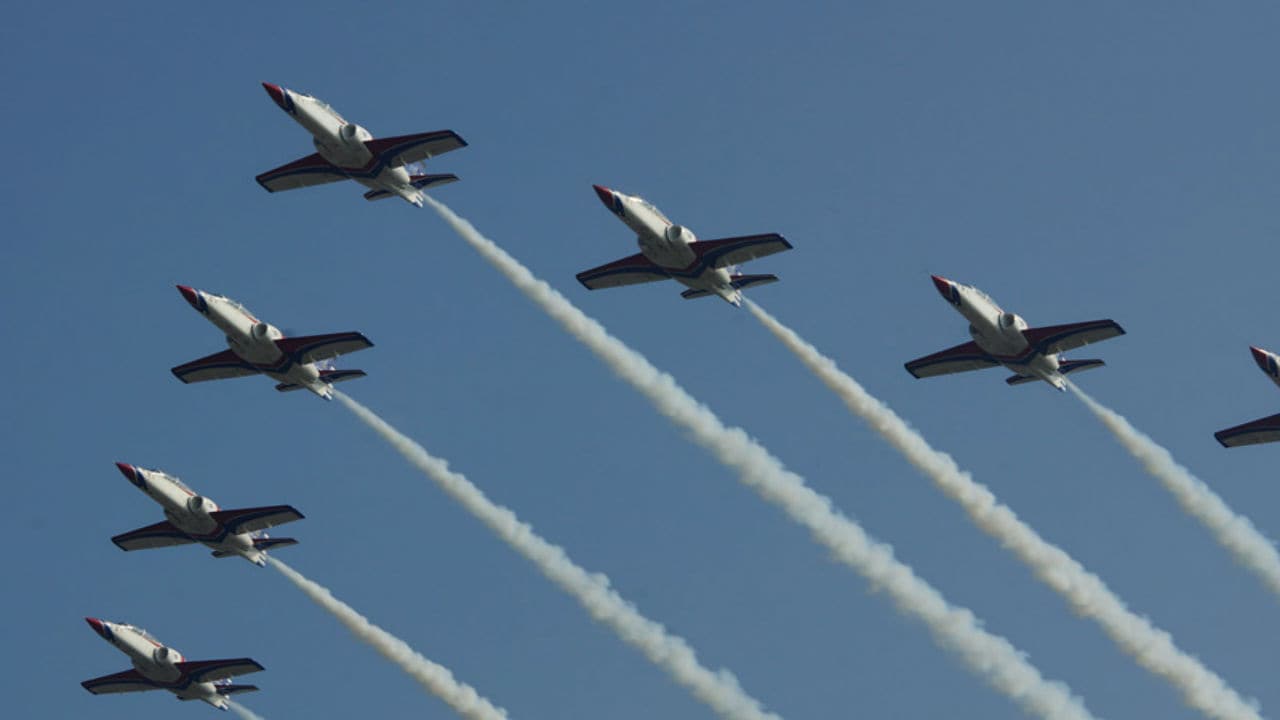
x=737 y=281
x=328 y=377
x=235 y=689
x=420 y=182
x=264 y=543
x=1066 y=368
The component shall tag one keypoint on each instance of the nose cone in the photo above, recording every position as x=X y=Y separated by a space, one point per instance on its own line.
x=276 y=92
x=943 y=285
x=129 y=471
x=98 y=627
x=1262 y=357
x=191 y=294
x=605 y=195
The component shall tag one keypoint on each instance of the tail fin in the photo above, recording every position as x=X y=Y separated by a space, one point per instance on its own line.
x=418 y=181
x=326 y=376
x=737 y=281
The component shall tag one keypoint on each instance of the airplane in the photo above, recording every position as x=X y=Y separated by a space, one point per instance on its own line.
x=1003 y=338
x=671 y=251
x=259 y=348
x=193 y=518
x=347 y=151
x=159 y=667
x=1260 y=431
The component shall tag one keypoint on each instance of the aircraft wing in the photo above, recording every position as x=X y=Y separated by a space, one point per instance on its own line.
x=1257 y=432
x=218 y=366
x=313 y=348
x=405 y=149
x=162 y=534
x=1061 y=338
x=736 y=250
x=630 y=270
x=259 y=518
x=121 y=682
x=213 y=670
x=961 y=358
x=303 y=172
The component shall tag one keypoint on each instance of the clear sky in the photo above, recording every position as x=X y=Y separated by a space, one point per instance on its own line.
x=1077 y=161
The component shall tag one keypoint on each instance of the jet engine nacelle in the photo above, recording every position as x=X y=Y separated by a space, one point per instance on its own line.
x=1011 y=324
x=262 y=332
x=679 y=234
x=201 y=505
x=354 y=135
x=166 y=656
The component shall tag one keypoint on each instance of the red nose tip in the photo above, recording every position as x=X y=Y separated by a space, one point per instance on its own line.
x=275 y=91
x=605 y=194
x=943 y=285
x=97 y=626
x=190 y=294
x=127 y=470
x=1259 y=356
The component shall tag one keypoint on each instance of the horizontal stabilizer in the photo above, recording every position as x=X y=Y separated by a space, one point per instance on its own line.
x=421 y=182
x=1070 y=366
x=1066 y=368
x=234 y=689
x=737 y=281
x=326 y=376
x=1021 y=379
x=265 y=543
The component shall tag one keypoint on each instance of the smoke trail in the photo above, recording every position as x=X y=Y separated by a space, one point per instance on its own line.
x=989 y=656
x=243 y=711
x=719 y=690
x=1233 y=531
x=436 y=679
x=1086 y=593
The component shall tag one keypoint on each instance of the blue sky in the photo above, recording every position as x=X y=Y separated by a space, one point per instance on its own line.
x=1092 y=161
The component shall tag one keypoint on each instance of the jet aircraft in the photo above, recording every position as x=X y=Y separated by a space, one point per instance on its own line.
x=1260 y=431
x=346 y=151
x=257 y=347
x=668 y=250
x=193 y=518
x=159 y=667
x=1003 y=338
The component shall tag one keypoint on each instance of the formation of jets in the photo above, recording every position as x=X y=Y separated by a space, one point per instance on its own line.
x=667 y=251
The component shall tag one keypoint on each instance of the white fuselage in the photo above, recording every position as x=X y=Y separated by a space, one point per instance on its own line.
x=254 y=341
x=156 y=661
x=999 y=333
x=342 y=144
x=666 y=245
x=191 y=513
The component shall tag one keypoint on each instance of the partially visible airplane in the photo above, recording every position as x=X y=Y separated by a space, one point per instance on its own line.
x=158 y=667
x=259 y=348
x=194 y=518
x=671 y=251
x=1003 y=338
x=346 y=151
x=1260 y=431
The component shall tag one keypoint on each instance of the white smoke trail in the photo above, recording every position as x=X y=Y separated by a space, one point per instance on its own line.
x=719 y=690
x=989 y=656
x=1086 y=593
x=436 y=679
x=243 y=711
x=1233 y=531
